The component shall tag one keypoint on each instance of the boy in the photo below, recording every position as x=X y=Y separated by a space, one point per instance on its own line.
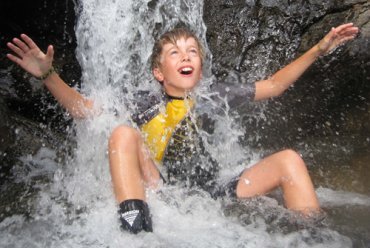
x=168 y=130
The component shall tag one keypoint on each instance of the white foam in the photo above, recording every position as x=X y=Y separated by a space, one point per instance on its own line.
x=337 y=198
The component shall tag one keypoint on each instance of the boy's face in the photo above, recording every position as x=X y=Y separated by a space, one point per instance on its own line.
x=180 y=66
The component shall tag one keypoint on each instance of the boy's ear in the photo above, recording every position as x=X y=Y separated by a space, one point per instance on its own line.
x=158 y=74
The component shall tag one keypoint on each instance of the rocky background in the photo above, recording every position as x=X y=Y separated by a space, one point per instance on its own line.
x=30 y=117
x=28 y=121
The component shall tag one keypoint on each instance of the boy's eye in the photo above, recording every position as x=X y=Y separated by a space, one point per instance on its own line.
x=173 y=52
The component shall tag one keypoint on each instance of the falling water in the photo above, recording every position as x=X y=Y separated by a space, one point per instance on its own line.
x=75 y=206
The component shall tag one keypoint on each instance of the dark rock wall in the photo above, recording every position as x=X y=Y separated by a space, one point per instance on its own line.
x=241 y=32
x=47 y=22
x=30 y=118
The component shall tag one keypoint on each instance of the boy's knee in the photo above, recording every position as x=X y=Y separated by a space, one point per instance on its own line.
x=292 y=160
x=123 y=133
x=291 y=154
x=123 y=137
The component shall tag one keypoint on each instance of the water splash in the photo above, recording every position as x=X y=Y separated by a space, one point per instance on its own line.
x=76 y=208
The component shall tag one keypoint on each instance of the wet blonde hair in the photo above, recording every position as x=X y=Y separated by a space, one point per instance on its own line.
x=171 y=37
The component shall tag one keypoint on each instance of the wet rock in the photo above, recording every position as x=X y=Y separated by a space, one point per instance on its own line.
x=353 y=221
x=264 y=212
x=338 y=82
x=242 y=33
x=30 y=116
x=47 y=22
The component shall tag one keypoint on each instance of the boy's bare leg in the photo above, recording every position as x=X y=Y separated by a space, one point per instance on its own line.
x=287 y=170
x=131 y=167
x=131 y=170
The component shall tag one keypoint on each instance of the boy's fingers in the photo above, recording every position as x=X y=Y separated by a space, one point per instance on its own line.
x=15 y=49
x=50 y=52
x=21 y=44
x=333 y=32
x=349 y=31
x=345 y=39
x=344 y=26
x=29 y=41
x=14 y=58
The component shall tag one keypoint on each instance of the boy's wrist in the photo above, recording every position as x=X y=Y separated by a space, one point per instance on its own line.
x=318 y=51
x=47 y=74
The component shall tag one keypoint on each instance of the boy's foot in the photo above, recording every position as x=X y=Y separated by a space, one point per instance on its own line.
x=135 y=216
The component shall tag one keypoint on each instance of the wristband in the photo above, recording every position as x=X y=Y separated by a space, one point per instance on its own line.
x=47 y=74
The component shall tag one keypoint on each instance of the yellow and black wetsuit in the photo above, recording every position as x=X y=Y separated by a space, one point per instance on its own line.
x=160 y=129
x=171 y=133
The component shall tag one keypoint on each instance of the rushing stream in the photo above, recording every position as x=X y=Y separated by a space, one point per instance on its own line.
x=72 y=204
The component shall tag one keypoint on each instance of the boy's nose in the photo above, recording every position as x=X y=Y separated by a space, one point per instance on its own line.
x=185 y=57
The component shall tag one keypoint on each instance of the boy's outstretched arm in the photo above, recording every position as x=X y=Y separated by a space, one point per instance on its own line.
x=281 y=80
x=33 y=60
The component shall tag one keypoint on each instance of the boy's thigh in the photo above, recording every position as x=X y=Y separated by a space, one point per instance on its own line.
x=262 y=177
x=151 y=173
x=149 y=168
x=129 y=142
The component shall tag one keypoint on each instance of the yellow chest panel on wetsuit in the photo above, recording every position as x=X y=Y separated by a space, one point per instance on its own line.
x=159 y=130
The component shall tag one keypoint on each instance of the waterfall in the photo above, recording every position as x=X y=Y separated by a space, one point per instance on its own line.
x=75 y=207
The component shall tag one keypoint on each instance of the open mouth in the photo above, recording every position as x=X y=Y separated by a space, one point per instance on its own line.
x=186 y=70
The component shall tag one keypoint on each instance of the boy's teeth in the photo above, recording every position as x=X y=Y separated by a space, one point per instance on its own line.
x=186 y=70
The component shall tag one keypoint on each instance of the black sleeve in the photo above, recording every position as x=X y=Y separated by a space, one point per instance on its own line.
x=236 y=89
x=147 y=106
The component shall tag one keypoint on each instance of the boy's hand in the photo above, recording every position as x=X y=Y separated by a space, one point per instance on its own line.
x=30 y=57
x=336 y=37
